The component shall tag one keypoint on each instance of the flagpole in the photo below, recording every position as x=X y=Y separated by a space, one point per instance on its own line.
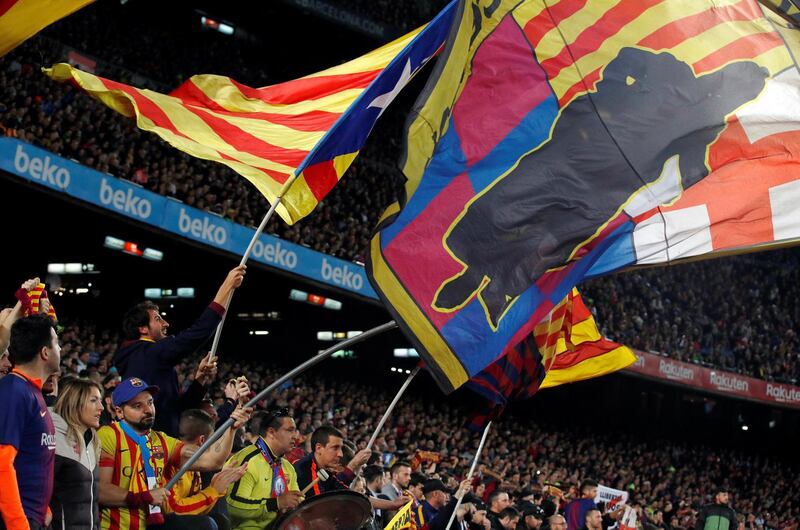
x=471 y=472
x=391 y=407
x=244 y=259
x=275 y=384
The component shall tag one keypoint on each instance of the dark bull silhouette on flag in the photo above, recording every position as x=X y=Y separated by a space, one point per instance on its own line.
x=604 y=149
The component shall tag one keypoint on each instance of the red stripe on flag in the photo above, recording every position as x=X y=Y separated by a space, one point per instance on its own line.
x=245 y=142
x=313 y=121
x=5 y=5
x=311 y=88
x=677 y=31
x=742 y=48
x=591 y=38
x=321 y=178
x=583 y=352
x=538 y=26
x=145 y=105
x=277 y=176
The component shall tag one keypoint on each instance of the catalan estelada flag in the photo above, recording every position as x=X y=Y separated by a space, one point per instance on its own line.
x=562 y=140
x=565 y=347
x=294 y=139
x=22 y=19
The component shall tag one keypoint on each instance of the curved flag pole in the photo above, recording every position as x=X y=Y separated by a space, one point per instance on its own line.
x=471 y=472
x=391 y=407
x=244 y=259
x=275 y=384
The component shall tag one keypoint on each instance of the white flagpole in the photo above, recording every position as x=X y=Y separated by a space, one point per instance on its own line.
x=391 y=407
x=244 y=259
x=471 y=472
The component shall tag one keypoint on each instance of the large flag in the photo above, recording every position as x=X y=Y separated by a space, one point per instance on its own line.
x=22 y=19
x=558 y=141
x=564 y=348
x=294 y=139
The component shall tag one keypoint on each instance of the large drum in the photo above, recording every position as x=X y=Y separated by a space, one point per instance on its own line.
x=334 y=510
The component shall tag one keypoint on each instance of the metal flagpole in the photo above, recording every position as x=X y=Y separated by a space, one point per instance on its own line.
x=471 y=472
x=391 y=407
x=245 y=257
x=275 y=384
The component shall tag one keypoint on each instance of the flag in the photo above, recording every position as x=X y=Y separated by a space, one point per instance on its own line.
x=294 y=139
x=22 y=19
x=564 y=348
x=560 y=141
x=629 y=519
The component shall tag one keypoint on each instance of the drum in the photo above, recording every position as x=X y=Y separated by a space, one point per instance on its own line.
x=333 y=510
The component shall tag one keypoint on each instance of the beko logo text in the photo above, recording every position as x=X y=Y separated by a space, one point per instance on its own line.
x=275 y=253
x=205 y=229
x=341 y=275
x=39 y=169
x=125 y=201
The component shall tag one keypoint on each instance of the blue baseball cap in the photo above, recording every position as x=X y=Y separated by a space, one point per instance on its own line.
x=129 y=389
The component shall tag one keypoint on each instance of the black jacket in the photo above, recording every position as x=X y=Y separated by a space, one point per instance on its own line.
x=154 y=362
x=75 y=502
x=716 y=517
x=340 y=481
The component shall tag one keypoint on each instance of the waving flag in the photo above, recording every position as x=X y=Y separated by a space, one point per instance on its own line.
x=558 y=141
x=22 y=19
x=294 y=139
x=564 y=348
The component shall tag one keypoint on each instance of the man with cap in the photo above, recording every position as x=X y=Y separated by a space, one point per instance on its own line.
x=437 y=489
x=436 y=497
x=532 y=518
x=135 y=459
x=717 y=515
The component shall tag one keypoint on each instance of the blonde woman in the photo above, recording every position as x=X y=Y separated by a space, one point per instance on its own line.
x=77 y=416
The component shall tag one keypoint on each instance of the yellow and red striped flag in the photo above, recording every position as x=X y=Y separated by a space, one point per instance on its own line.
x=22 y=19
x=564 y=348
x=292 y=140
x=572 y=347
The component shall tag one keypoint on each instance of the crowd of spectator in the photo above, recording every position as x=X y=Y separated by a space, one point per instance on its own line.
x=668 y=482
x=715 y=313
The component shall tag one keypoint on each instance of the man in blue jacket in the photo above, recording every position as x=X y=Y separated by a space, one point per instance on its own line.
x=150 y=354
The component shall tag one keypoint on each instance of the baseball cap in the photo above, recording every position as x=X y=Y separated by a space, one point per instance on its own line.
x=434 y=485
x=129 y=389
x=535 y=511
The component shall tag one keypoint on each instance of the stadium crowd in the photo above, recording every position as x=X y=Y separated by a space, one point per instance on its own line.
x=529 y=476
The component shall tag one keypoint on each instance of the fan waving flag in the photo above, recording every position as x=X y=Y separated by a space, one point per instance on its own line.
x=559 y=141
x=564 y=348
x=294 y=139
x=22 y=19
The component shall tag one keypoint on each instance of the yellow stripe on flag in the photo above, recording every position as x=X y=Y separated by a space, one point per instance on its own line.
x=28 y=17
x=604 y=364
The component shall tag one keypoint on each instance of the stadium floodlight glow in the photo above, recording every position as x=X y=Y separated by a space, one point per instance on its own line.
x=152 y=292
x=351 y=334
x=114 y=243
x=73 y=268
x=210 y=23
x=745 y=427
x=403 y=353
x=153 y=254
x=185 y=292
x=324 y=335
x=314 y=299
x=259 y=332
x=56 y=268
x=81 y=290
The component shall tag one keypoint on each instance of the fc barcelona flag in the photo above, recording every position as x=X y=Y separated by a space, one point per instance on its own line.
x=293 y=140
x=564 y=348
x=562 y=140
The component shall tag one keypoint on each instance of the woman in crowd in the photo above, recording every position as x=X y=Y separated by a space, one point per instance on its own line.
x=77 y=416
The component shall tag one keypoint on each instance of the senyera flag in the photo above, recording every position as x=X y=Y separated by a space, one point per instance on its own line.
x=294 y=139
x=22 y=19
x=559 y=141
x=565 y=347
